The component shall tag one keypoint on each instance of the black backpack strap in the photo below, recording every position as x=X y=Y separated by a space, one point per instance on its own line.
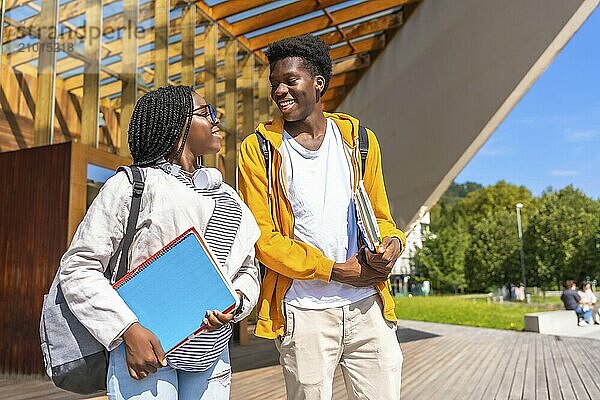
x=363 y=147
x=264 y=149
x=136 y=198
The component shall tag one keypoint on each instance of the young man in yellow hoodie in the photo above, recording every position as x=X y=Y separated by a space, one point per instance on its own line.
x=323 y=299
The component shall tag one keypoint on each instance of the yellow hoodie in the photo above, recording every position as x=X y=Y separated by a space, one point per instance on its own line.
x=288 y=259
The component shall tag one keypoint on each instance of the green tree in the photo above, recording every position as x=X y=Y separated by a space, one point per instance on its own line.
x=489 y=200
x=492 y=259
x=475 y=237
x=443 y=213
x=561 y=240
x=458 y=191
x=442 y=258
x=474 y=241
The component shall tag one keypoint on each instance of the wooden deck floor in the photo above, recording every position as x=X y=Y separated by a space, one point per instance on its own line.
x=441 y=362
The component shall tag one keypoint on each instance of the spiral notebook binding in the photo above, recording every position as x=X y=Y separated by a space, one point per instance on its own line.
x=156 y=256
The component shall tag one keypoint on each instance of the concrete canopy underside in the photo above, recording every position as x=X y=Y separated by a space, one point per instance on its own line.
x=446 y=81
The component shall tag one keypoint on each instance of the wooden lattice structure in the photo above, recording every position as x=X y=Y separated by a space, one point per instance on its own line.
x=54 y=63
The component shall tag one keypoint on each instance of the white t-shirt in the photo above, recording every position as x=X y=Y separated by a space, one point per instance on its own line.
x=320 y=192
x=588 y=297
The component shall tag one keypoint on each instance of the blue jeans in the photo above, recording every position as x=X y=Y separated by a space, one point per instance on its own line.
x=587 y=314
x=168 y=383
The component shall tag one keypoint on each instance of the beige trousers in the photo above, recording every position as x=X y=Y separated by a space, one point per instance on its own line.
x=356 y=337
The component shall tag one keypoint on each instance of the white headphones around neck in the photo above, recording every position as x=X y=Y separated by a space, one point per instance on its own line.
x=203 y=177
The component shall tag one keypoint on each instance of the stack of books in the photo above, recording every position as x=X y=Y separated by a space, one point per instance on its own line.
x=367 y=222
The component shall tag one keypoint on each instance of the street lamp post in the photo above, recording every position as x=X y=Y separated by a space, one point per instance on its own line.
x=519 y=206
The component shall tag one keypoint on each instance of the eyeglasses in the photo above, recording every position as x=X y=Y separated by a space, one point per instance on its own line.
x=211 y=112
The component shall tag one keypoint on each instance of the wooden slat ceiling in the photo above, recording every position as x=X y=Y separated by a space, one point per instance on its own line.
x=356 y=30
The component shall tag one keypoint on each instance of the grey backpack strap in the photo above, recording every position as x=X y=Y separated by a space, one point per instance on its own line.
x=363 y=147
x=136 y=198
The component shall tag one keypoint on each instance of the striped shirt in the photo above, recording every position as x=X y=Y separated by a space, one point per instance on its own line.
x=204 y=349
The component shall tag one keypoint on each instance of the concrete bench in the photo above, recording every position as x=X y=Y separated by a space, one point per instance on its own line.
x=552 y=293
x=550 y=322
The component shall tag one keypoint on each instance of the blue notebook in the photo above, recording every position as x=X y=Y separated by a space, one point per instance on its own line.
x=171 y=291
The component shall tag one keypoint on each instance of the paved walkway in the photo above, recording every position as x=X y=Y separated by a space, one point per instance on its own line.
x=441 y=362
x=454 y=362
x=474 y=363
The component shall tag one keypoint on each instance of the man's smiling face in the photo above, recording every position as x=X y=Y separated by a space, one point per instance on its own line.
x=293 y=88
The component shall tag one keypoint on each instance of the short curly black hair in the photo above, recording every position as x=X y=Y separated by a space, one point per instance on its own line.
x=159 y=118
x=311 y=49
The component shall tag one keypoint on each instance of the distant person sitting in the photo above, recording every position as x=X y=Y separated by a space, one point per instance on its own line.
x=572 y=301
x=595 y=309
x=520 y=292
x=588 y=299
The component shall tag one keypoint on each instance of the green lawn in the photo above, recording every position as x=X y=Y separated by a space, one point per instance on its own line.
x=470 y=310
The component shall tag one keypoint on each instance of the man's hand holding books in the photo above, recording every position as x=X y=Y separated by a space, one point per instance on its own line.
x=366 y=268
x=385 y=256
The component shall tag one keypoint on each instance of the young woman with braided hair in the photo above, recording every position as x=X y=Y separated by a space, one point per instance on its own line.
x=169 y=130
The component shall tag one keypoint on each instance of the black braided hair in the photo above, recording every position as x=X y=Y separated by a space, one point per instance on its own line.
x=157 y=121
x=311 y=49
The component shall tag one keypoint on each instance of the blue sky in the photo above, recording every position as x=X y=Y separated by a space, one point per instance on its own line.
x=552 y=136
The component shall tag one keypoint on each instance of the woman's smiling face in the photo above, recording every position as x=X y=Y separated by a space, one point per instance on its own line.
x=204 y=136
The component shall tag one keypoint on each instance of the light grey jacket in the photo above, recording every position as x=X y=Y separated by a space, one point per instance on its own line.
x=168 y=208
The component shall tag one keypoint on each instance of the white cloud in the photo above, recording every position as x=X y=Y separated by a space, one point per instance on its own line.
x=564 y=172
x=582 y=136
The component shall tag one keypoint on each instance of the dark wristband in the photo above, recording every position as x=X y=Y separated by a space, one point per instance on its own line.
x=240 y=307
